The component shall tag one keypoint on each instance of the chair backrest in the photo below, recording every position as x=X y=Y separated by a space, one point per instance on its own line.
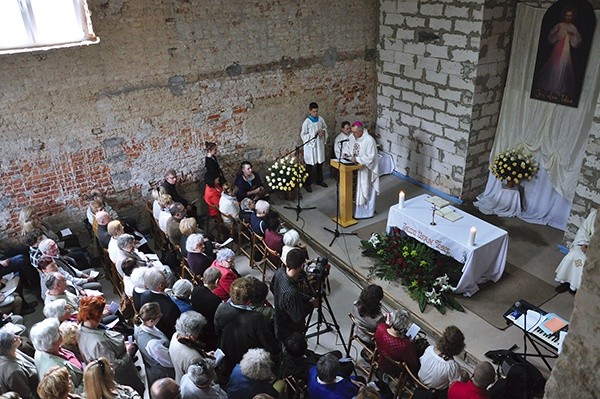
x=259 y=253
x=297 y=389
x=272 y=257
x=246 y=240
x=366 y=348
x=410 y=383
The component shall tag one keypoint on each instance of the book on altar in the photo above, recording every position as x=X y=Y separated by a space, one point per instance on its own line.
x=448 y=213
x=437 y=201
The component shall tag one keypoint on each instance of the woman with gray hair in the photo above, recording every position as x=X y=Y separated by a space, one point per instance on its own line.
x=199 y=257
x=47 y=341
x=127 y=244
x=182 y=291
x=58 y=309
x=225 y=262
x=393 y=344
x=17 y=370
x=198 y=382
x=291 y=240
x=252 y=375
x=185 y=348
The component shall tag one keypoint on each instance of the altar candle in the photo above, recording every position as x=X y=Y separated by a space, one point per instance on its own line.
x=472 y=234
x=401 y=200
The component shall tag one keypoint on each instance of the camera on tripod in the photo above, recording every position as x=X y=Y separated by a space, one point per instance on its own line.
x=319 y=267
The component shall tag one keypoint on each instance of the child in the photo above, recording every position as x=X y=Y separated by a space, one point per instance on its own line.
x=314 y=127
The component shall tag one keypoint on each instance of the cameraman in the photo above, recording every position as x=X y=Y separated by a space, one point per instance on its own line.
x=292 y=305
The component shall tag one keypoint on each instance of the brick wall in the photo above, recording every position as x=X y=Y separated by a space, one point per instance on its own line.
x=166 y=77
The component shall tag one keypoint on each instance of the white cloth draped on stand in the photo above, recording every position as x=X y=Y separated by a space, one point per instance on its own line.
x=556 y=134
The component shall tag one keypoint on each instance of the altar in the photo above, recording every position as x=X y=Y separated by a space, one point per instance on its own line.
x=483 y=261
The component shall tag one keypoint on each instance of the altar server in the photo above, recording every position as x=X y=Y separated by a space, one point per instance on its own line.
x=314 y=137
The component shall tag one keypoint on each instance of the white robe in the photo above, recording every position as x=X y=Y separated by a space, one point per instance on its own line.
x=314 y=152
x=346 y=148
x=367 y=184
x=570 y=268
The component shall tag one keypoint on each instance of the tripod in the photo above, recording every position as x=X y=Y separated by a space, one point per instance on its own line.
x=298 y=208
x=336 y=233
x=321 y=320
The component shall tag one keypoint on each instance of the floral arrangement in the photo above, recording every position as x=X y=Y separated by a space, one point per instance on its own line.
x=514 y=165
x=285 y=174
x=426 y=273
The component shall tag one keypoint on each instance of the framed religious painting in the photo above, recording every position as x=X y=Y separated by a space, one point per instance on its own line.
x=563 y=50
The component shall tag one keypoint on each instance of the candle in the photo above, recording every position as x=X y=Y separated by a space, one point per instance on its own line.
x=472 y=234
x=401 y=200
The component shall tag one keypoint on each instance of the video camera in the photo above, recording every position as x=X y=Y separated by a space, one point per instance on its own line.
x=319 y=267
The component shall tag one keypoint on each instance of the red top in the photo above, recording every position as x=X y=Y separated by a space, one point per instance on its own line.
x=212 y=197
x=395 y=348
x=466 y=390
x=228 y=276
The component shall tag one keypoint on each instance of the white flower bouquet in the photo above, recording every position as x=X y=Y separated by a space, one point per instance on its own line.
x=285 y=174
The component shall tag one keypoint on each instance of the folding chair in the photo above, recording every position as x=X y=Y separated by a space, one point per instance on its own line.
x=410 y=383
x=369 y=348
x=246 y=241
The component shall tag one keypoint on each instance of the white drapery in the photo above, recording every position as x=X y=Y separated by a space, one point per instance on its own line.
x=556 y=134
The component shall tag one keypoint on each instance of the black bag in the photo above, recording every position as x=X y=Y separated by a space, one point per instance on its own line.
x=520 y=376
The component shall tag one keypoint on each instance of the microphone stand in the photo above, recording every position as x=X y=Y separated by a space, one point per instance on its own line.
x=298 y=208
x=336 y=233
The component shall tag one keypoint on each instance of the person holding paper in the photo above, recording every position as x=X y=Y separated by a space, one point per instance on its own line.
x=568 y=272
x=393 y=344
x=364 y=151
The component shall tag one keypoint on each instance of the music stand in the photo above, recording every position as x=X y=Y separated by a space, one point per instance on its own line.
x=298 y=208
x=336 y=233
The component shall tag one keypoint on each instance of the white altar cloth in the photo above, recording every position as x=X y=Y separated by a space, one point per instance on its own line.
x=482 y=262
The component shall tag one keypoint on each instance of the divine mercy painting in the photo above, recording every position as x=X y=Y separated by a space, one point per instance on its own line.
x=563 y=51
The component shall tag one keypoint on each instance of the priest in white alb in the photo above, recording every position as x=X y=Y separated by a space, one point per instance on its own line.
x=568 y=272
x=364 y=151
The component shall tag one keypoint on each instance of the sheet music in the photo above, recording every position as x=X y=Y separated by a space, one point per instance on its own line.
x=534 y=319
x=413 y=330
x=66 y=232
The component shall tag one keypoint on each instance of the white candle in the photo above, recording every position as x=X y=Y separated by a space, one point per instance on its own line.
x=401 y=200
x=472 y=234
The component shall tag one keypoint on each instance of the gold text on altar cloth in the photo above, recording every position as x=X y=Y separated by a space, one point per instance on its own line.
x=419 y=235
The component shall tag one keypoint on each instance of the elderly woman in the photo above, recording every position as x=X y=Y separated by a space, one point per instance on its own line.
x=17 y=370
x=46 y=339
x=164 y=201
x=115 y=229
x=56 y=384
x=182 y=292
x=198 y=257
x=367 y=313
x=99 y=380
x=273 y=239
x=438 y=367
x=127 y=245
x=225 y=262
x=229 y=206
x=198 y=382
x=185 y=348
x=291 y=240
x=153 y=344
x=252 y=375
x=47 y=265
x=95 y=342
x=257 y=220
x=393 y=344
x=187 y=227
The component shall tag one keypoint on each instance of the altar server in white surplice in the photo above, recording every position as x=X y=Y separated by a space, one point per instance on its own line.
x=364 y=151
x=568 y=272
x=314 y=135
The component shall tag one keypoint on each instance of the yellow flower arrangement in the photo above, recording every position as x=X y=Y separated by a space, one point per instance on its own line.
x=285 y=174
x=514 y=165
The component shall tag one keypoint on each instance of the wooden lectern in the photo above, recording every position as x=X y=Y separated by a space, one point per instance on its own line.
x=345 y=218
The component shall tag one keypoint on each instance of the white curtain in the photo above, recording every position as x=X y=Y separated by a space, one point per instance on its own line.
x=556 y=134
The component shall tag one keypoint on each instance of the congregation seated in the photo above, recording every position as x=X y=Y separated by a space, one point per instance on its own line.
x=258 y=300
x=17 y=370
x=103 y=219
x=60 y=310
x=47 y=341
x=205 y=302
x=247 y=206
x=128 y=265
x=225 y=262
x=48 y=266
x=325 y=381
x=187 y=227
x=169 y=185
x=33 y=240
x=50 y=248
x=177 y=211
x=127 y=244
x=57 y=383
x=198 y=257
x=393 y=344
x=253 y=375
x=181 y=293
x=212 y=194
x=165 y=201
x=273 y=239
x=291 y=240
x=229 y=206
x=476 y=388
x=115 y=230
x=157 y=281
x=367 y=313
x=570 y=269
x=156 y=208
x=257 y=220
x=101 y=380
x=139 y=285
x=249 y=183
x=18 y=266
x=98 y=203
x=165 y=388
x=438 y=367
x=95 y=343
x=199 y=382
x=185 y=347
x=153 y=344
x=56 y=288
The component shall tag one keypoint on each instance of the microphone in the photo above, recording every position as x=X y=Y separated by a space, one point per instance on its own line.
x=343 y=141
x=518 y=305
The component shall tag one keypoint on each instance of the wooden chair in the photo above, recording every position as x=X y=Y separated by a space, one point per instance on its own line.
x=370 y=349
x=217 y=219
x=246 y=241
x=161 y=241
x=410 y=383
x=259 y=255
x=296 y=388
x=396 y=382
x=185 y=271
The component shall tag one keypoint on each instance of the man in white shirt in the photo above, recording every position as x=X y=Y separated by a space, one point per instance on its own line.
x=342 y=145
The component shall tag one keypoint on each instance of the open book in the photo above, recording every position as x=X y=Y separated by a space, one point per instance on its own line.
x=448 y=213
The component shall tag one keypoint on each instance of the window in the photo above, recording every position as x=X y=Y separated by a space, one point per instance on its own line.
x=32 y=25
